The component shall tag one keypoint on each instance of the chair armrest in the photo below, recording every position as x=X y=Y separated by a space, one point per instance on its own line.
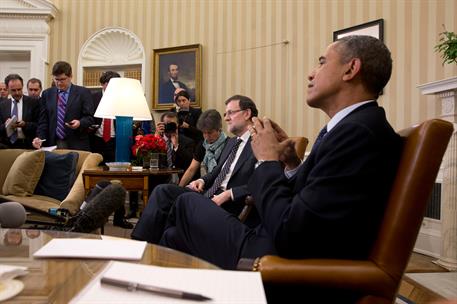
x=360 y=276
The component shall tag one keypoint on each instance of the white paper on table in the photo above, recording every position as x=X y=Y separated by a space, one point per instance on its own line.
x=8 y=272
x=222 y=286
x=92 y=249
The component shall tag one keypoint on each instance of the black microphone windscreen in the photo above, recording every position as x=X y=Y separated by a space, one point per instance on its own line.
x=12 y=215
x=96 y=214
x=96 y=190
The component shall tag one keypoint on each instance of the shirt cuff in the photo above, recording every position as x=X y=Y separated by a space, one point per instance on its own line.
x=290 y=173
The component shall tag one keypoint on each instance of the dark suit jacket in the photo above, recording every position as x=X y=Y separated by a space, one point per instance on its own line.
x=79 y=106
x=167 y=91
x=332 y=208
x=96 y=97
x=182 y=157
x=190 y=117
x=30 y=114
x=244 y=168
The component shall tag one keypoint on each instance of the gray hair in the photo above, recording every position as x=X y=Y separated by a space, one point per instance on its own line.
x=375 y=57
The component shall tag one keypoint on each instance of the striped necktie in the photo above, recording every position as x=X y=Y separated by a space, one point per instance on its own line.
x=223 y=173
x=13 y=136
x=61 y=106
x=169 y=153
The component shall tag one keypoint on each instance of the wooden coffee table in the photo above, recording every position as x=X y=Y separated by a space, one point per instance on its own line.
x=131 y=180
x=59 y=280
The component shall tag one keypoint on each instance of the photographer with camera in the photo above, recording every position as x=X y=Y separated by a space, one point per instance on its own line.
x=187 y=116
x=179 y=147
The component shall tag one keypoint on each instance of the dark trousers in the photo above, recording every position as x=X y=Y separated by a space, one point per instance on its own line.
x=207 y=231
x=106 y=149
x=153 y=220
x=20 y=143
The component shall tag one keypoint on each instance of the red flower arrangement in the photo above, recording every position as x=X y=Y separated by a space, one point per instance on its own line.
x=149 y=143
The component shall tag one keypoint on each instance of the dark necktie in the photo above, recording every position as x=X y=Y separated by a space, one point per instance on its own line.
x=13 y=136
x=319 y=138
x=223 y=173
x=169 y=153
x=61 y=106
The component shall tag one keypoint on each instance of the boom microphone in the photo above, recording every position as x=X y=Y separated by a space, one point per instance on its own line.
x=96 y=214
x=12 y=215
x=96 y=190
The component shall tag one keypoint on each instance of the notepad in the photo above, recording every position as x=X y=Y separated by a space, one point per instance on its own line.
x=9 y=126
x=92 y=249
x=222 y=286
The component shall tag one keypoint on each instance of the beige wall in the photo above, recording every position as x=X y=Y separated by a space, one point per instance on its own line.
x=243 y=53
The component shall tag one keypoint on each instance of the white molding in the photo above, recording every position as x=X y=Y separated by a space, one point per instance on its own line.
x=112 y=46
x=437 y=87
x=24 y=27
x=27 y=9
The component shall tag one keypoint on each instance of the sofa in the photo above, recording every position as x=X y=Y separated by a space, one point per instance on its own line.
x=29 y=172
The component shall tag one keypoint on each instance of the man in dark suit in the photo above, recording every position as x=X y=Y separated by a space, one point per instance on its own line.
x=26 y=111
x=222 y=187
x=327 y=207
x=3 y=91
x=102 y=132
x=180 y=148
x=167 y=89
x=66 y=112
x=34 y=88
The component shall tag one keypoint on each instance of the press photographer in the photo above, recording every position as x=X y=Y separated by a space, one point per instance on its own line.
x=179 y=147
x=187 y=116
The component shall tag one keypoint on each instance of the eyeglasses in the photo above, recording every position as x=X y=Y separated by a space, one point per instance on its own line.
x=230 y=112
x=60 y=79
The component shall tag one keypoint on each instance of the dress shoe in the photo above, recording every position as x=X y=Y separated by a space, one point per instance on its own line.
x=123 y=224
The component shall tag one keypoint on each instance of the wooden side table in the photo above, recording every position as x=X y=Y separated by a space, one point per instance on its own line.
x=131 y=180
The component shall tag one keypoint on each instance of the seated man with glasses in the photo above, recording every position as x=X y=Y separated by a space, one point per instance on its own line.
x=67 y=111
x=226 y=185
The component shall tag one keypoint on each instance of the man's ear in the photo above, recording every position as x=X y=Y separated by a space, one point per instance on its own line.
x=353 y=69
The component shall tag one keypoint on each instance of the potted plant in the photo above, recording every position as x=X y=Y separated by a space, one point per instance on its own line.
x=147 y=147
x=447 y=46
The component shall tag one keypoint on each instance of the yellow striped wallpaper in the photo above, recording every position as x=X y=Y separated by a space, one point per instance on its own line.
x=266 y=48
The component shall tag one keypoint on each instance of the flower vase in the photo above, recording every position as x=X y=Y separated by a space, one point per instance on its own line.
x=154 y=161
x=146 y=160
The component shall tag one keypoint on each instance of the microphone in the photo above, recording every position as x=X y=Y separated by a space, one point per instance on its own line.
x=96 y=214
x=12 y=215
x=96 y=190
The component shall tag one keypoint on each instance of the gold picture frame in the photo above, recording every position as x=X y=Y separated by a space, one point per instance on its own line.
x=182 y=65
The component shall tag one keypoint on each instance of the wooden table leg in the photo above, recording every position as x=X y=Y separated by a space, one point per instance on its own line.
x=145 y=190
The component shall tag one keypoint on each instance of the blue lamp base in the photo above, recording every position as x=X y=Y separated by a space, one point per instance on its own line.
x=123 y=138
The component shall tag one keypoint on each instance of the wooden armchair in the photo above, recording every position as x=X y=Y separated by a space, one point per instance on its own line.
x=300 y=147
x=376 y=279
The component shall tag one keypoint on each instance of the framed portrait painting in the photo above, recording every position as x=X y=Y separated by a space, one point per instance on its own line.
x=373 y=28
x=176 y=67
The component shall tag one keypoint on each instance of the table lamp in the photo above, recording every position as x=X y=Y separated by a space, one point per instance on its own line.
x=124 y=101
